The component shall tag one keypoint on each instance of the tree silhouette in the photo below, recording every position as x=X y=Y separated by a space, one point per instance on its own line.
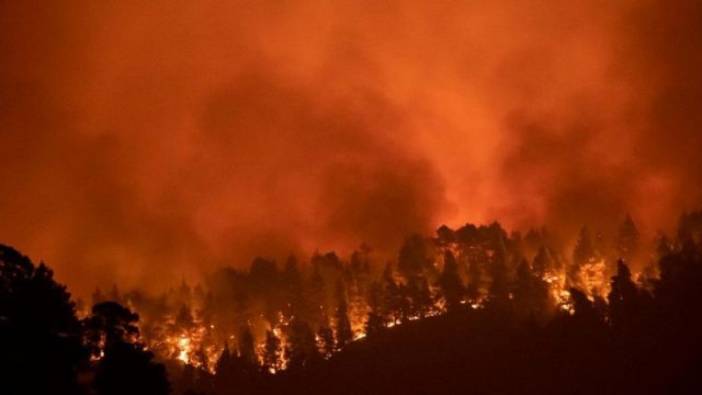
x=224 y=358
x=474 y=281
x=40 y=340
x=627 y=243
x=326 y=340
x=583 y=253
x=124 y=366
x=302 y=347
x=450 y=282
x=184 y=318
x=531 y=293
x=316 y=295
x=392 y=296
x=499 y=287
x=419 y=296
x=247 y=348
x=344 y=334
x=643 y=339
x=127 y=369
x=690 y=227
x=271 y=352
x=293 y=289
x=110 y=323
x=375 y=322
x=414 y=256
x=224 y=367
x=624 y=299
x=543 y=262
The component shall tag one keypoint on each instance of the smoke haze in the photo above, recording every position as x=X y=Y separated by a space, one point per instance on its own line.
x=146 y=141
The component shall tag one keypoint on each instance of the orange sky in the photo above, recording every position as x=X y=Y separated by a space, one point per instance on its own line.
x=152 y=140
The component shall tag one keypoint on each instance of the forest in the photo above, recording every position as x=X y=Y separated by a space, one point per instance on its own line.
x=350 y=197
x=472 y=310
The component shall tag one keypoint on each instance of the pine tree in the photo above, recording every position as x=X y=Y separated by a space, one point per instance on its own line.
x=344 y=334
x=316 y=295
x=627 y=243
x=419 y=296
x=499 y=287
x=587 y=313
x=200 y=359
x=375 y=321
x=584 y=248
x=445 y=235
x=224 y=358
x=124 y=356
x=40 y=335
x=247 y=347
x=450 y=282
x=663 y=246
x=184 y=292
x=293 y=295
x=129 y=369
x=302 y=347
x=326 y=340
x=392 y=295
x=184 y=319
x=543 y=262
x=623 y=298
x=271 y=352
x=583 y=253
x=112 y=323
x=474 y=280
x=531 y=293
x=413 y=258
x=374 y=324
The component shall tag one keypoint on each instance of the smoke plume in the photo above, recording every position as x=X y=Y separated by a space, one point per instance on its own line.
x=145 y=141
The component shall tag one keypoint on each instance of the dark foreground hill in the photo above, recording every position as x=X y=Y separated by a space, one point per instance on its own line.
x=481 y=352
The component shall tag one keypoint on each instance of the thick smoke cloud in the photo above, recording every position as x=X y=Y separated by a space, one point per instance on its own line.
x=143 y=141
x=628 y=145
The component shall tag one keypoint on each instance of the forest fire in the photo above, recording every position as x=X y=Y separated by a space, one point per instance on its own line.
x=272 y=323
x=268 y=315
x=350 y=197
x=273 y=318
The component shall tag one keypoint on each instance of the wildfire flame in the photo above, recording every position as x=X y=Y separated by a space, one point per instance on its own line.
x=199 y=342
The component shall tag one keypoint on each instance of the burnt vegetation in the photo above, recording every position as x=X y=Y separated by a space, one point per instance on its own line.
x=470 y=310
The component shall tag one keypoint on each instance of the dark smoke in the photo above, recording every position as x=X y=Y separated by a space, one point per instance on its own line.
x=144 y=141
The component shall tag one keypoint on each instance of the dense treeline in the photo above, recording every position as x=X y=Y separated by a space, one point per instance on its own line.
x=46 y=349
x=472 y=310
